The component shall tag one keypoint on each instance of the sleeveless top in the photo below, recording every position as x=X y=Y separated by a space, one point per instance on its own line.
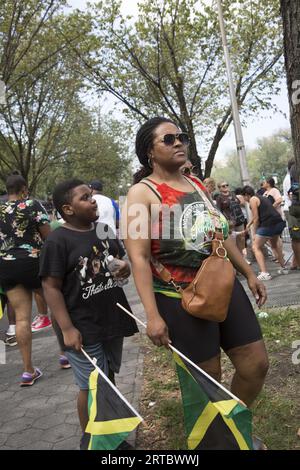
x=181 y=233
x=267 y=213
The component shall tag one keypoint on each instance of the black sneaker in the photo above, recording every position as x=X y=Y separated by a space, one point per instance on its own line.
x=10 y=340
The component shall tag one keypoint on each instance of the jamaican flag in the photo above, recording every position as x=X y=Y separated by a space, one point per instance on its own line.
x=213 y=420
x=111 y=418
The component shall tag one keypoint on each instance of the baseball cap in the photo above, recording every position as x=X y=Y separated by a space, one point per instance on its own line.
x=97 y=185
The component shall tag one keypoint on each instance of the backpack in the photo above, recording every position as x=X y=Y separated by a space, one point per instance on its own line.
x=236 y=211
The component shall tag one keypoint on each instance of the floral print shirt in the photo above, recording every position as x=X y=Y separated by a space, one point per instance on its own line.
x=19 y=234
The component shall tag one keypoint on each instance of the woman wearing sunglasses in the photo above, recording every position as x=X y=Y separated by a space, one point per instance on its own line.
x=162 y=150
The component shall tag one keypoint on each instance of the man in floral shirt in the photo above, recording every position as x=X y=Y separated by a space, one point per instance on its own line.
x=24 y=224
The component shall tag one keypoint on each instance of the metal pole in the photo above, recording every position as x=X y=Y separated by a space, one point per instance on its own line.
x=240 y=145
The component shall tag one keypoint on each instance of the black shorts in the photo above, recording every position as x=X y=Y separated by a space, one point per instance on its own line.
x=20 y=271
x=201 y=340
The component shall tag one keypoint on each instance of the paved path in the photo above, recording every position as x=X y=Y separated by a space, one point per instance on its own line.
x=44 y=416
x=282 y=290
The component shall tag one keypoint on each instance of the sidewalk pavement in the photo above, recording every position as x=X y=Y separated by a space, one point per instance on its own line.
x=283 y=290
x=45 y=417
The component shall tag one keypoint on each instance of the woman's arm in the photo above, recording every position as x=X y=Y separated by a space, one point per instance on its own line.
x=137 y=239
x=277 y=198
x=254 y=205
x=257 y=287
x=55 y=299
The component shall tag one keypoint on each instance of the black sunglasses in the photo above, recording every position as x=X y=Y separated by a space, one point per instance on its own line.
x=224 y=185
x=170 y=139
x=190 y=171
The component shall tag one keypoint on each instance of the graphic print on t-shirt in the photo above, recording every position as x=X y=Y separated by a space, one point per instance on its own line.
x=197 y=227
x=93 y=272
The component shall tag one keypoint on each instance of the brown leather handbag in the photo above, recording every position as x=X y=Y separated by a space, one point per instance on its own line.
x=209 y=294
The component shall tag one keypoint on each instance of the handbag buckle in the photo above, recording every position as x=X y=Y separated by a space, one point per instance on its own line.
x=220 y=249
x=177 y=288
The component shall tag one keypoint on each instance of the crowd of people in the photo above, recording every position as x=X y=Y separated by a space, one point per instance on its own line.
x=61 y=256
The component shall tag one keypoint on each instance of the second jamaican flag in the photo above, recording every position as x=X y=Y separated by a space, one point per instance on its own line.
x=213 y=420
x=111 y=418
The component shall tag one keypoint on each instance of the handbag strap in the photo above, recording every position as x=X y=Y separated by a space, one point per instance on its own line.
x=152 y=186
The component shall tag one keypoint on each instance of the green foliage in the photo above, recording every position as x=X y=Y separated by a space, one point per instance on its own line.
x=270 y=157
x=228 y=171
x=42 y=85
x=94 y=151
x=167 y=61
x=170 y=61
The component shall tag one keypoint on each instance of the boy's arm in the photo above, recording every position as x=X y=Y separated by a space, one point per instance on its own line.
x=54 y=298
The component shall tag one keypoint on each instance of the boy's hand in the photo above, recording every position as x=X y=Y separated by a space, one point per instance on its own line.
x=73 y=339
x=124 y=270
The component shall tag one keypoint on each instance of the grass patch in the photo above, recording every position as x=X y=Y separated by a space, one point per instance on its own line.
x=276 y=412
x=276 y=420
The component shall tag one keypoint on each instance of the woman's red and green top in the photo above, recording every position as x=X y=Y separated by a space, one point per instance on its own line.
x=181 y=233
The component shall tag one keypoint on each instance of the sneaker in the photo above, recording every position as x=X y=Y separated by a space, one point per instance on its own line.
x=41 y=323
x=63 y=362
x=283 y=271
x=36 y=318
x=10 y=340
x=28 y=379
x=264 y=277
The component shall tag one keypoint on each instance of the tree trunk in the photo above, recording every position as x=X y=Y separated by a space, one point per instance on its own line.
x=290 y=12
x=193 y=153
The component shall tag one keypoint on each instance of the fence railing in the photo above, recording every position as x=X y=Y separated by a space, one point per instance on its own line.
x=286 y=236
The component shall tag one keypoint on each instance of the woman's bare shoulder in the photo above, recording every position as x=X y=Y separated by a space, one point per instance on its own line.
x=140 y=192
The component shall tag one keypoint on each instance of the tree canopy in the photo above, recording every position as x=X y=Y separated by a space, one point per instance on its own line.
x=269 y=157
x=169 y=61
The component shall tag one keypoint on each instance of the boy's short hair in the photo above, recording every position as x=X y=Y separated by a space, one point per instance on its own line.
x=62 y=193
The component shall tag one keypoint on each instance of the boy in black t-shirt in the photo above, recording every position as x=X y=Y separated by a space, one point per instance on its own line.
x=79 y=289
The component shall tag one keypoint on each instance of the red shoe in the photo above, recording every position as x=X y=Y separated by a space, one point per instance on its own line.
x=41 y=323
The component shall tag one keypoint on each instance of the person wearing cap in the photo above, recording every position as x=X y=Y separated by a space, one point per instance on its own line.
x=107 y=208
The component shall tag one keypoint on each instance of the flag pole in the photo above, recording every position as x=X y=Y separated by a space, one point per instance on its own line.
x=187 y=359
x=94 y=362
